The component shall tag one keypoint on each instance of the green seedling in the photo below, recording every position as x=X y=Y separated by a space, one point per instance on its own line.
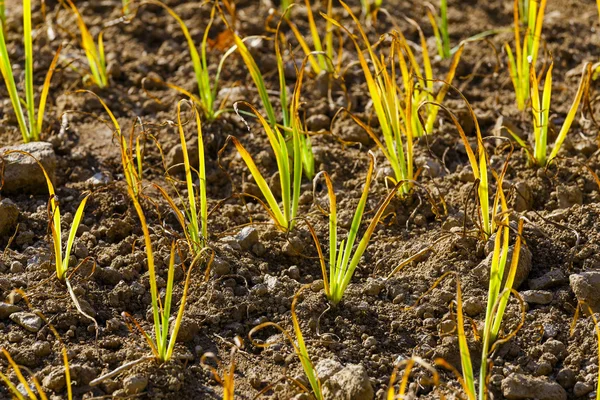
x=93 y=52
x=299 y=346
x=30 y=127
x=526 y=52
x=290 y=184
x=440 y=28
x=342 y=263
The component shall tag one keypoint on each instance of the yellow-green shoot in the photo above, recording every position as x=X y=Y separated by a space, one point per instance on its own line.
x=541 y=114
x=30 y=127
x=290 y=184
x=193 y=218
x=94 y=53
x=207 y=90
x=227 y=378
x=165 y=330
x=299 y=346
x=370 y=8
x=526 y=52
x=342 y=262
x=2 y=14
x=440 y=28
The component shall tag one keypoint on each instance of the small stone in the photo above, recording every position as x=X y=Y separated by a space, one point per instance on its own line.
x=318 y=122
x=472 y=307
x=15 y=337
x=540 y=297
x=293 y=247
x=22 y=174
x=294 y=272
x=549 y=280
x=9 y=214
x=482 y=271
x=326 y=368
x=317 y=285
x=523 y=197
x=220 y=267
x=260 y=290
x=7 y=309
x=16 y=267
x=586 y=287
x=28 y=321
x=351 y=382
x=42 y=349
x=373 y=287
x=370 y=342
x=447 y=326
x=582 y=388
x=517 y=386
x=247 y=237
x=135 y=384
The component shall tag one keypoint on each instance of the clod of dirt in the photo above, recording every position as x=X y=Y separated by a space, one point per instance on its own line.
x=566 y=378
x=518 y=386
x=9 y=214
x=22 y=174
x=549 y=280
x=505 y=126
x=586 y=287
x=28 y=321
x=174 y=157
x=327 y=367
x=6 y=310
x=135 y=384
x=568 y=196
x=540 y=297
x=349 y=383
x=318 y=122
x=55 y=380
x=523 y=197
x=582 y=388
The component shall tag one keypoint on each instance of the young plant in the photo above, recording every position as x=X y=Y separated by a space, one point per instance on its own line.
x=526 y=55
x=342 y=263
x=227 y=378
x=499 y=289
x=94 y=53
x=440 y=28
x=321 y=57
x=30 y=127
x=299 y=348
x=541 y=115
x=290 y=184
x=193 y=222
x=370 y=8
x=165 y=330
x=2 y=15
x=207 y=91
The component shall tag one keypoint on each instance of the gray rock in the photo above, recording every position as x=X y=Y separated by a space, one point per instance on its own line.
x=519 y=386
x=540 y=297
x=22 y=173
x=350 y=383
x=135 y=384
x=586 y=287
x=6 y=310
x=568 y=196
x=549 y=280
x=9 y=214
x=247 y=237
x=326 y=368
x=28 y=321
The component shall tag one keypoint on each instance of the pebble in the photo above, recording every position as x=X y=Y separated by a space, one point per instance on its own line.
x=220 y=267
x=22 y=174
x=28 y=321
x=568 y=196
x=135 y=384
x=549 y=280
x=247 y=237
x=6 y=310
x=540 y=297
x=370 y=342
x=586 y=286
x=582 y=388
x=9 y=214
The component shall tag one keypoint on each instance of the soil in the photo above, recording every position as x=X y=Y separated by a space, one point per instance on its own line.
x=376 y=324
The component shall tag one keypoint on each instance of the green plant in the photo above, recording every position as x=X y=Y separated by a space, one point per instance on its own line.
x=526 y=53
x=299 y=346
x=2 y=15
x=31 y=127
x=207 y=90
x=440 y=28
x=290 y=188
x=94 y=53
x=342 y=263
x=370 y=8
x=541 y=115
x=397 y=109
x=193 y=222
x=165 y=330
